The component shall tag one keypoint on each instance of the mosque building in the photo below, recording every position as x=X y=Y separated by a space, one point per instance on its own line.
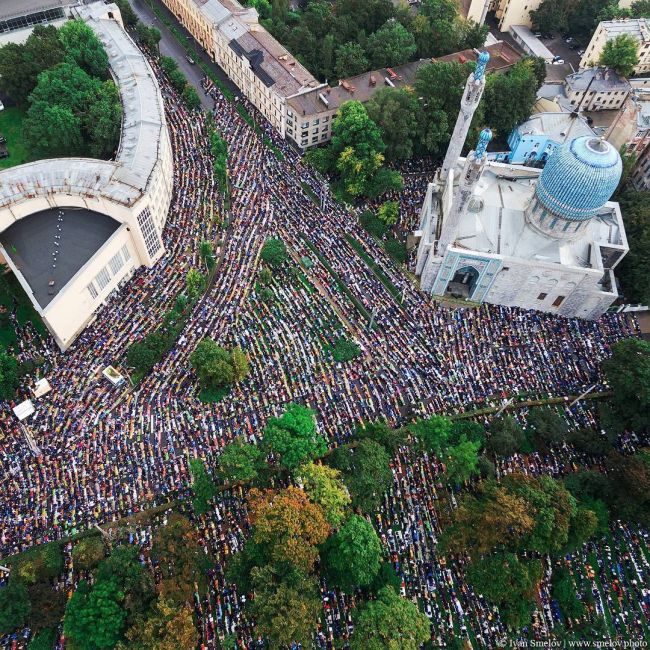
x=511 y=235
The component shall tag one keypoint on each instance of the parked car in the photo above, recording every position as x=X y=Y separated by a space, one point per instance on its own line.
x=190 y=60
x=537 y=35
x=558 y=61
x=2 y=106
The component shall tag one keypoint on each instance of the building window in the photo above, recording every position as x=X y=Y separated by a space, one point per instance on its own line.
x=558 y=301
x=103 y=278
x=151 y=239
x=116 y=263
x=304 y=125
x=541 y=296
x=92 y=290
x=125 y=253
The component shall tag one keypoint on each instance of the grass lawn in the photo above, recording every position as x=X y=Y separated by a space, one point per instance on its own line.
x=10 y=289
x=11 y=126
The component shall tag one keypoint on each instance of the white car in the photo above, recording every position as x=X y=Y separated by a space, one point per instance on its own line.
x=2 y=106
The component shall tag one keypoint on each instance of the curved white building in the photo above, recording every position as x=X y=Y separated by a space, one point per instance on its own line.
x=75 y=229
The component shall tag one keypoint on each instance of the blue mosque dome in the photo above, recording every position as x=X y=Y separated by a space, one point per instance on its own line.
x=579 y=178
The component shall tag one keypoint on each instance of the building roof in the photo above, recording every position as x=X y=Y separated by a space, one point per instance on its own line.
x=495 y=222
x=556 y=125
x=601 y=80
x=15 y=8
x=30 y=242
x=579 y=178
x=143 y=126
x=638 y=28
x=534 y=45
x=362 y=87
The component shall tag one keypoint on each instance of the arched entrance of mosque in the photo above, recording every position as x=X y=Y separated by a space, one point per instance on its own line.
x=463 y=283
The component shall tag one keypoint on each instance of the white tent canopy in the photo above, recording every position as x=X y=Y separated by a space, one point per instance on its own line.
x=42 y=387
x=24 y=409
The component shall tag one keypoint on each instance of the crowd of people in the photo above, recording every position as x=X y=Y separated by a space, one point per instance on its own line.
x=108 y=452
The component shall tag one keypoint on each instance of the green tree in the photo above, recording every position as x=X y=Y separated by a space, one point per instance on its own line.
x=379 y=431
x=191 y=97
x=440 y=88
x=94 y=617
x=102 y=121
x=366 y=473
x=206 y=253
x=564 y=591
x=88 y=553
x=213 y=364
x=628 y=373
x=286 y=608
x=149 y=37
x=506 y=436
x=203 y=487
x=219 y=149
x=324 y=487
x=621 y=54
x=352 y=556
x=39 y=564
x=43 y=639
x=548 y=426
x=389 y=212
x=389 y=623
x=390 y=45
x=510 y=97
x=508 y=582
x=293 y=436
x=274 y=252
x=136 y=582
x=395 y=111
x=350 y=60
x=9 y=380
x=345 y=350
x=240 y=364
x=432 y=434
x=15 y=607
x=633 y=270
x=128 y=15
x=239 y=461
x=551 y=17
x=641 y=8
x=20 y=65
x=195 y=283
x=356 y=155
x=52 y=131
x=84 y=48
x=168 y=64
x=461 y=461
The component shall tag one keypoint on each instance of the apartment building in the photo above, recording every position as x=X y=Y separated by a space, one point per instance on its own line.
x=638 y=28
x=514 y=12
x=596 y=89
x=310 y=114
x=265 y=72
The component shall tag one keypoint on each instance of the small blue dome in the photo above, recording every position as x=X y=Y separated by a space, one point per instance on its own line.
x=579 y=178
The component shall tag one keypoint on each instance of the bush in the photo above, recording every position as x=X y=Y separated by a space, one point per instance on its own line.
x=345 y=350
x=396 y=249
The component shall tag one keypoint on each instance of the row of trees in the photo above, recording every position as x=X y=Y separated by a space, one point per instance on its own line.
x=346 y=37
x=179 y=82
x=580 y=17
x=144 y=354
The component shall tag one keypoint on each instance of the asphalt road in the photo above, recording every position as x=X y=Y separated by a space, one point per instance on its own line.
x=169 y=46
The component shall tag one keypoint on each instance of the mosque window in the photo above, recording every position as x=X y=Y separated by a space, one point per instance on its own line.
x=125 y=253
x=542 y=296
x=103 y=278
x=558 y=301
x=149 y=234
x=92 y=290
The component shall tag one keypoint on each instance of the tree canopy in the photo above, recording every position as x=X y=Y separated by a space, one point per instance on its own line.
x=274 y=252
x=288 y=526
x=240 y=461
x=352 y=556
x=293 y=436
x=216 y=366
x=389 y=623
x=9 y=379
x=202 y=486
x=621 y=54
x=628 y=373
x=325 y=488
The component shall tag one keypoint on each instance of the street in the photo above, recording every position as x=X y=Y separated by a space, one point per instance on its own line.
x=169 y=46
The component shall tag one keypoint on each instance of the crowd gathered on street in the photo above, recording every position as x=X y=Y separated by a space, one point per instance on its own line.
x=107 y=451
